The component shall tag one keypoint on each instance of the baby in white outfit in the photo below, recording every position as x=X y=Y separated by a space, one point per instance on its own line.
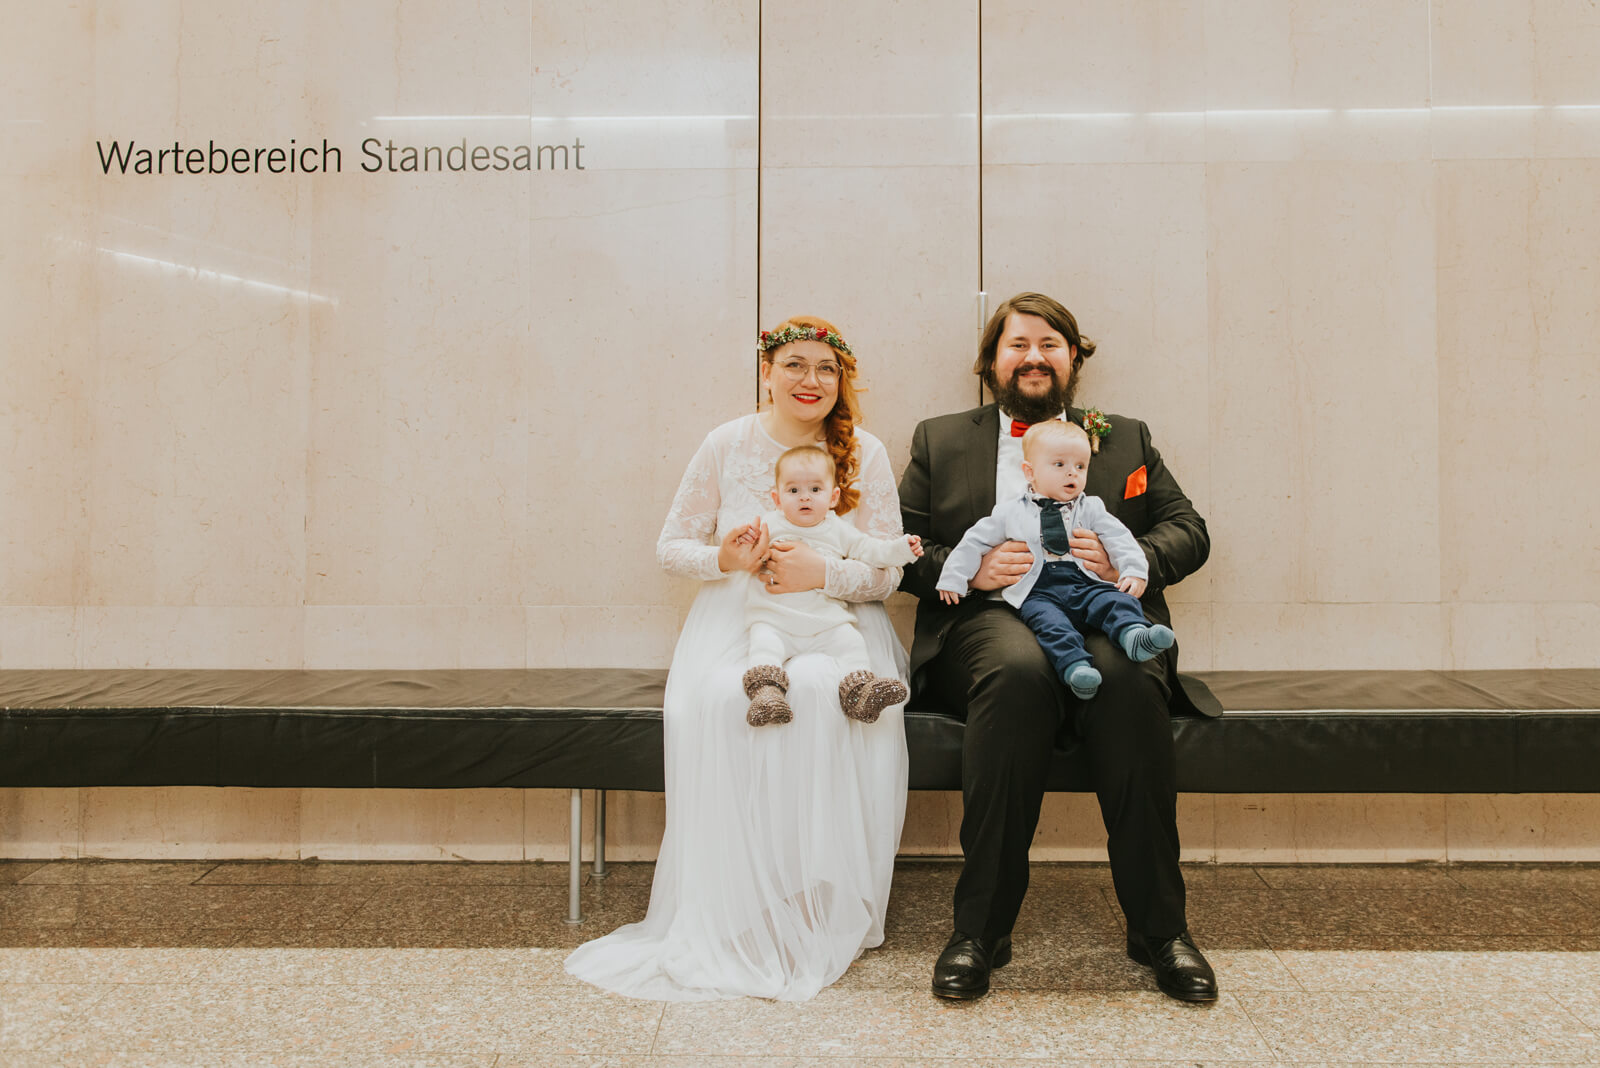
x=783 y=625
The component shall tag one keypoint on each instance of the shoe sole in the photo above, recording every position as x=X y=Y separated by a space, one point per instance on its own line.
x=1138 y=956
x=960 y=995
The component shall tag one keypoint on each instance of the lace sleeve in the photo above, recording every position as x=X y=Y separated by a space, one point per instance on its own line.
x=878 y=514
x=687 y=546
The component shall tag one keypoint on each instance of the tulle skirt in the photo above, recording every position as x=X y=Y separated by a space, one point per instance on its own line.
x=774 y=870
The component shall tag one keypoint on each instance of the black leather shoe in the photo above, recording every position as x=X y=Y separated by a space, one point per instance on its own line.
x=1181 y=969
x=962 y=971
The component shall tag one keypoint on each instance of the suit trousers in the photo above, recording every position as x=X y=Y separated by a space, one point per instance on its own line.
x=1064 y=599
x=992 y=672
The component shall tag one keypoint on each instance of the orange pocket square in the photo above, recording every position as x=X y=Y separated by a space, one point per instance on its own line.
x=1138 y=482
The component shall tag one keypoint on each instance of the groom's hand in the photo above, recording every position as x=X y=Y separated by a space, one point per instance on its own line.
x=1003 y=566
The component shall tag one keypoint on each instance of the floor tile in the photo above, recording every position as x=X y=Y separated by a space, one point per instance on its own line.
x=74 y=965
x=131 y=872
x=1084 y=1025
x=39 y=906
x=1335 y=970
x=33 y=1015
x=1582 y=1002
x=420 y=873
x=120 y=905
x=12 y=871
x=625 y=873
x=421 y=906
x=380 y=967
x=1516 y=878
x=1459 y=920
x=116 y=937
x=1394 y=1026
x=1356 y=877
x=327 y=1020
x=237 y=1059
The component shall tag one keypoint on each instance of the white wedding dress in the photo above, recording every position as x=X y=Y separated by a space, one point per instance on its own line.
x=780 y=841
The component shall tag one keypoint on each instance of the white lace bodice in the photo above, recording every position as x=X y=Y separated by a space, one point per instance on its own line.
x=728 y=483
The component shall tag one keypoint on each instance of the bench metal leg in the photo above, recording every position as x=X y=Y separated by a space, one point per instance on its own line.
x=575 y=859
x=598 y=868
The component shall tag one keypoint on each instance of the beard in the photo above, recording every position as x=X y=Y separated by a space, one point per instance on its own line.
x=1033 y=407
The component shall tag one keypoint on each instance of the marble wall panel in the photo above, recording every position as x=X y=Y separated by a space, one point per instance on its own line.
x=411 y=824
x=1316 y=53
x=218 y=637
x=1322 y=297
x=1511 y=634
x=419 y=438
x=933 y=824
x=1192 y=620
x=1082 y=82
x=881 y=83
x=649 y=87
x=1307 y=637
x=35 y=637
x=413 y=637
x=189 y=822
x=41 y=824
x=1518 y=374
x=48 y=101
x=1322 y=828
x=623 y=635
x=1516 y=80
x=47 y=374
x=196 y=480
x=1523 y=827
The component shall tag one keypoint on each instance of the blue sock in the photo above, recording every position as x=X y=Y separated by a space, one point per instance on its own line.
x=1145 y=643
x=1083 y=680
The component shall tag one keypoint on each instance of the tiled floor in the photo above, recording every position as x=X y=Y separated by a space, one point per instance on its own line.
x=140 y=964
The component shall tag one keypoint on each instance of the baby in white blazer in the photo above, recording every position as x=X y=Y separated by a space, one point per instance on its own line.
x=784 y=625
x=1059 y=594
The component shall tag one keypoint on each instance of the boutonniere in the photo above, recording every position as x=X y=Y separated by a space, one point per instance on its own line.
x=1097 y=426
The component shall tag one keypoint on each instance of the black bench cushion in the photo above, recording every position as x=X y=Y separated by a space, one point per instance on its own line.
x=1295 y=732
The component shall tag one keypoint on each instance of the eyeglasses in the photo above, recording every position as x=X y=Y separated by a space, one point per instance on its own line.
x=795 y=370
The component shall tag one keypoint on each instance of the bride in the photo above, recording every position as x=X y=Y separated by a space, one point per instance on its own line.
x=774 y=870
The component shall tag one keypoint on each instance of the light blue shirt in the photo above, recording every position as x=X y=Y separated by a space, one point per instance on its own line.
x=1017 y=519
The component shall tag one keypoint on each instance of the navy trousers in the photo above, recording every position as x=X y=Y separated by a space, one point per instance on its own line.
x=1064 y=600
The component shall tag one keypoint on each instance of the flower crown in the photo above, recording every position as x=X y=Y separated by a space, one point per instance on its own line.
x=771 y=339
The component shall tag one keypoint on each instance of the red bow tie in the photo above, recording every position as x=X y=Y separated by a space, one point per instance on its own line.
x=1019 y=429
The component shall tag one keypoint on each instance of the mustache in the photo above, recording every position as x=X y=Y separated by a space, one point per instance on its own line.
x=1025 y=368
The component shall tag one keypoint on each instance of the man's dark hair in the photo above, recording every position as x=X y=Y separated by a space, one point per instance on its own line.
x=1047 y=308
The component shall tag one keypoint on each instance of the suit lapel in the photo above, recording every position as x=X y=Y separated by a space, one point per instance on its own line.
x=983 y=454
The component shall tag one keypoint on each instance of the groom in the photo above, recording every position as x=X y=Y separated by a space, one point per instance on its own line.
x=980 y=661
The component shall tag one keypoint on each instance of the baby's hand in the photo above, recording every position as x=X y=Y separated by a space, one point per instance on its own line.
x=949 y=597
x=915 y=543
x=752 y=534
x=1131 y=585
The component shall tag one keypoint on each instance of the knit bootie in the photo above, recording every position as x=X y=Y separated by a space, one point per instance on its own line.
x=864 y=696
x=765 y=685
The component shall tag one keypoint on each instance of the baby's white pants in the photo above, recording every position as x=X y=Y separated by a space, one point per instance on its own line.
x=769 y=645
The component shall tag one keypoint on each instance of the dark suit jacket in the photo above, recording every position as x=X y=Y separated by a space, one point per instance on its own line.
x=949 y=486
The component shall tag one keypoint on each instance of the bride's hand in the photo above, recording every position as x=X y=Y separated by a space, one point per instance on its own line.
x=744 y=548
x=793 y=566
